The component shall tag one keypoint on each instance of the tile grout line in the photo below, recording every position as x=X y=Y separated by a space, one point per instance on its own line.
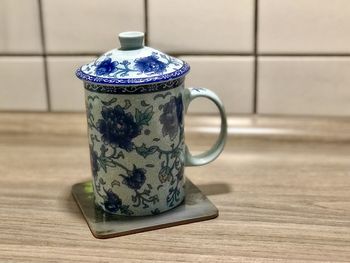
x=44 y=55
x=146 y=21
x=98 y=54
x=255 y=76
x=335 y=55
x=265 y=54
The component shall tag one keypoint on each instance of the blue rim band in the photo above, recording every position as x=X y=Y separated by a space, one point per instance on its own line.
x=133 y=81
x=135 y=89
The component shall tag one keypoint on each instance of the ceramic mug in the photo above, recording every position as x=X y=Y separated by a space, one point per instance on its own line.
x=136 y=129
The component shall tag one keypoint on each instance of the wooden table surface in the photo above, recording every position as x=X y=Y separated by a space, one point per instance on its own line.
x=282 y=187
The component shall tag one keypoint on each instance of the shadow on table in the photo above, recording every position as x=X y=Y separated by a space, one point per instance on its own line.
x=214 y=188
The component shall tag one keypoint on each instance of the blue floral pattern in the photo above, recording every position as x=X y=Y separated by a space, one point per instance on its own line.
x=94 y=162
x=118 y=127
x=150 y=65
x=171 y=117
x=113 y=203
x=136 y=178
x=144 y=67
x=106 y=67
x=114 y=134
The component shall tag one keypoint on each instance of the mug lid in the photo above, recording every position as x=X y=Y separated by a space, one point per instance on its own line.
x=132 y=64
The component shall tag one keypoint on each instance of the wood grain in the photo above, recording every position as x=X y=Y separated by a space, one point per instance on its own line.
x=282 y=187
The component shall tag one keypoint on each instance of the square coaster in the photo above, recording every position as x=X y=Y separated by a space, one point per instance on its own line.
x=196 y=207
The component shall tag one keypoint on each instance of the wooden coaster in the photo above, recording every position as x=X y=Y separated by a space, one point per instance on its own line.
x=196 y=207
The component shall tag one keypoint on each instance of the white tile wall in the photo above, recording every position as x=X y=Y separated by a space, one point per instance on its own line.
x=81 y=26
x=193 y=26
x=304 y=85
x=66 y=90
x=299 y=26
x=231 y=77
x=22 y=84
x=217 y=38
x=20 y=27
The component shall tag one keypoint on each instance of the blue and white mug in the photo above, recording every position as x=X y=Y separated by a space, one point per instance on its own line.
x=135 y=103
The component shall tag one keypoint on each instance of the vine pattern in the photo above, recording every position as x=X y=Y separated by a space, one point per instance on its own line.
x=117 y=128
x=172 y=167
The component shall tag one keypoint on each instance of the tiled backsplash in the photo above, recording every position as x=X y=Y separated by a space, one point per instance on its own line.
x=260 y=56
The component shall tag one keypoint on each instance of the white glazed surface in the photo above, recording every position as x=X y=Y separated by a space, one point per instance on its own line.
x=157 y=151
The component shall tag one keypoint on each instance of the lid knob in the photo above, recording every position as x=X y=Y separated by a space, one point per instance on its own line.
x=131 y=40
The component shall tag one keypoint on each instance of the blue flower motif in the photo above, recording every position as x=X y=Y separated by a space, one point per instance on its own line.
x=155 y=211
x=118 y=128
x=179 y=108
x=94 y=162
x=136 y=178
x=150 y=65
x=106 y=67
x=112 y=202
x=172 y=116
x=180 y=173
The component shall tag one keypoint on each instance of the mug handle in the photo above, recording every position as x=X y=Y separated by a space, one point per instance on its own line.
x=210 y=155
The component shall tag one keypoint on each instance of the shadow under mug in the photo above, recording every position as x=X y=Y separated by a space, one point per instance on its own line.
x=137 y=147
